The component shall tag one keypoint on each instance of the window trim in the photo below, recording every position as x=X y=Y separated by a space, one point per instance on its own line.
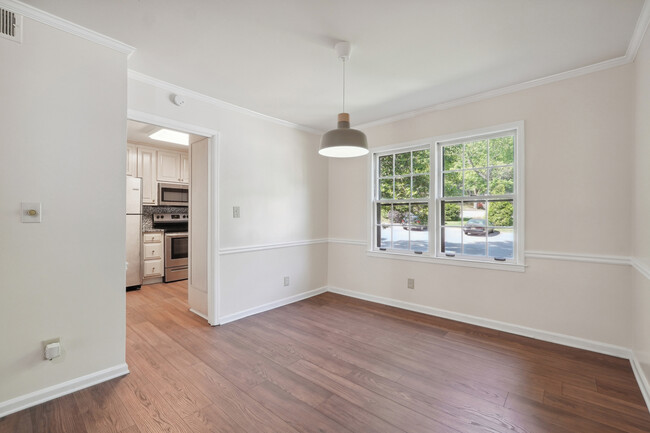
x=433 y=144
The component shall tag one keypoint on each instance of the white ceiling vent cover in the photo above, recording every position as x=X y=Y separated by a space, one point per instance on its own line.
x=11 y=25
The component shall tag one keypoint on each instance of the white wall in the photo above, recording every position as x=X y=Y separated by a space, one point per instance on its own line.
x=578 y=135
x=63 y=122
x=641 y=204
x=276 y=177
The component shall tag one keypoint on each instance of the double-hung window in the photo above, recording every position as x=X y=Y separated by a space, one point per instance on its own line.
x=403 y=185
x=457 y=198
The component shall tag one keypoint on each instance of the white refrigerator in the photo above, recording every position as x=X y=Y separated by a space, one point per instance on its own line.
x=133 y=232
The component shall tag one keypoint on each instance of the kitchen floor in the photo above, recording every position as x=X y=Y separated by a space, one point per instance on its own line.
x=333 y=363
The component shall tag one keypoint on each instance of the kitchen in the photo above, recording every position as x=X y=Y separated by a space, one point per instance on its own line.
x=158 y=204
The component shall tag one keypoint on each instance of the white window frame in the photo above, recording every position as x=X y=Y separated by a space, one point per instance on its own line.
x=435 y=196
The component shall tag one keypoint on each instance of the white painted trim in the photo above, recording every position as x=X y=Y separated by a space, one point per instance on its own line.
x=61 y=389
x=272 y=305
x=641 y=379
x=632 y=50
x=639 y=32
x=213 y=136
x=588 y=258
x=482 y=264
x=347 y=242
x=214 y=224
x=192 y=310
x=612 y=63
x=65 y=25
x=153 y=119
x=264 y=247
x=641 y=267
x=566 y=340
x=172 y=88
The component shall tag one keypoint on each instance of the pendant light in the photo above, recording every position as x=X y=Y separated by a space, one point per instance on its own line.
x=343 y=142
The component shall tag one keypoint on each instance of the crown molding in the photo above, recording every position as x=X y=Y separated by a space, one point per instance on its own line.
x=65 y=25
x=639 y=32
x=612 y=63
x=173 y=88
x=632 y=50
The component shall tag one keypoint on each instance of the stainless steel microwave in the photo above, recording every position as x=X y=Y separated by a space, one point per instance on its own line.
x=173 y=194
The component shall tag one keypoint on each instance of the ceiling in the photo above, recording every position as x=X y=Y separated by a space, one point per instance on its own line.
x=137 y=132
x=277 y=57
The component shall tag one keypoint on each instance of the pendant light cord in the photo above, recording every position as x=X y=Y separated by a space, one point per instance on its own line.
x=343 y=86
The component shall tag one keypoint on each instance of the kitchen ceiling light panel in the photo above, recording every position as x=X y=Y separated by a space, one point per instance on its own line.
x=171 y=136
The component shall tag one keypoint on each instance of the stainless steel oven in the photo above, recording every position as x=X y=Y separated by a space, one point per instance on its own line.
x=176 y=262
x=173 y=194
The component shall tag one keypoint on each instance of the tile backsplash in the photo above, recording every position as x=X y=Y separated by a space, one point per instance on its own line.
x=148 y=211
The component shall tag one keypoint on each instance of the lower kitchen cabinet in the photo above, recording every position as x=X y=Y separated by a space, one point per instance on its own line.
x=153 y=268
x=152 y=246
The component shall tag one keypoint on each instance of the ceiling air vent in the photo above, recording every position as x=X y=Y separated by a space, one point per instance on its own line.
x=11 y=25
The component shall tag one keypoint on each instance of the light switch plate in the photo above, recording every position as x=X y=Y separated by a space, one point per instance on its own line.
x=235 y=212
x=30 y=212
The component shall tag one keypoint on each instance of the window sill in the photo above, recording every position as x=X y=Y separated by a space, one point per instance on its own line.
x=511 y=267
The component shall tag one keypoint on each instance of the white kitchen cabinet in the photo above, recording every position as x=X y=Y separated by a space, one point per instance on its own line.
x=152 y=237
x=153 y=268
x=147 y=171
x=153 y=251
x=173 y=167
x=185 y=168
x=153 y=265
x=131 y=160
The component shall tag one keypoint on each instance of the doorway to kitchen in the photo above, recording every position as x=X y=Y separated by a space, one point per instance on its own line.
x=179 y=205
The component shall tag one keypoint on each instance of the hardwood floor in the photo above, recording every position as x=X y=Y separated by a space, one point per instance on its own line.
x=337 y=364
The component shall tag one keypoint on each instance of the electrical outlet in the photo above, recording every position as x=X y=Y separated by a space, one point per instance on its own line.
x=52 y=349
x=410 y=283
x=235 y=212
x=286 y=281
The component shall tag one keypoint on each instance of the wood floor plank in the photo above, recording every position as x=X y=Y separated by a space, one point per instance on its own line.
x=149 y=410
x=19 y=422
x=235 y=404
x=593 y=397
x=379 y=406
x=184 y=397
x=336 y=364
x=556 y=417
x=354 y=417
x=297 y=414
x=58 y=416
x=607 y=416
x=102 y=410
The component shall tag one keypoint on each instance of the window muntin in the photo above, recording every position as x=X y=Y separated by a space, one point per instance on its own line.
x=402 y=195
x=473 y=206
x=477 y=198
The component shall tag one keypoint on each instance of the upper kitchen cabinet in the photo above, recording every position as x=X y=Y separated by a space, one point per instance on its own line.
x=147 y=171
x=185 y=167
x=173 y=167
x=131 y=160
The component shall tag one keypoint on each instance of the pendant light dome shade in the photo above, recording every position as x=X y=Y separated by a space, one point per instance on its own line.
x=343 y=142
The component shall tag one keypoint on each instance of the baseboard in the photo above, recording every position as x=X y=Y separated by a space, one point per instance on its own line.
x=641 y=379
x=552 y=337
x=271 y=305
x=61 y=389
